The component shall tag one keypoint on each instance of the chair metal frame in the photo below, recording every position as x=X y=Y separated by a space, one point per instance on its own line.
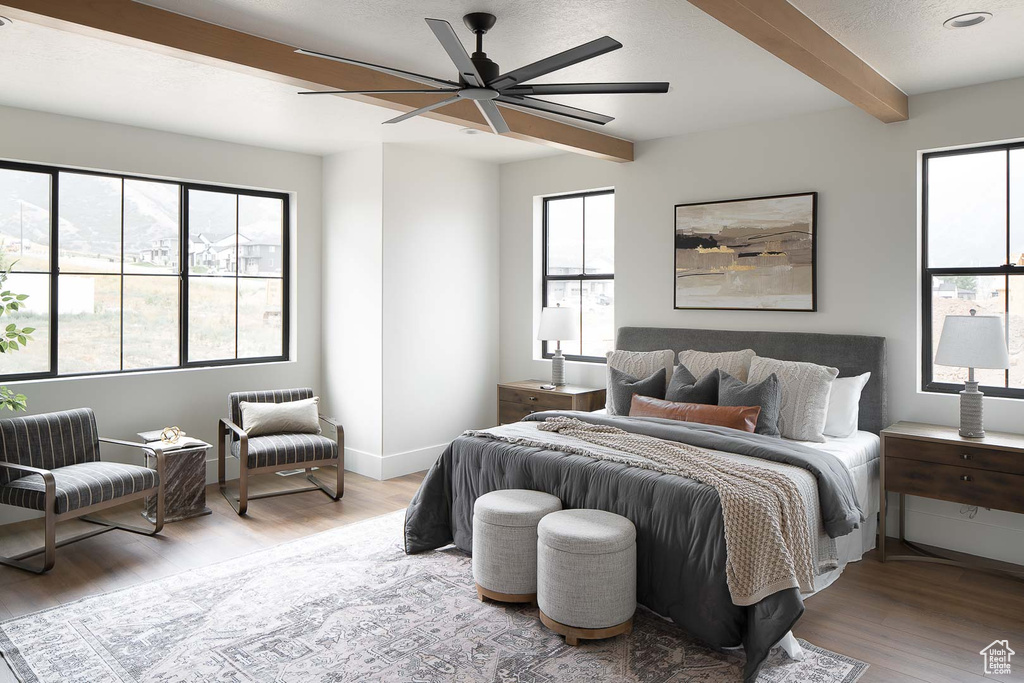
x=240 y=502
x=51 y=518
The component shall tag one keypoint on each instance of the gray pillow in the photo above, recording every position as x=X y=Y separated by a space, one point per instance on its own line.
x=766 y=393
x=622 y=386
x=685 y=388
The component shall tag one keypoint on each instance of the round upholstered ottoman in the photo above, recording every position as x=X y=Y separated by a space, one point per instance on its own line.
x=586 y=574
x=505 y=543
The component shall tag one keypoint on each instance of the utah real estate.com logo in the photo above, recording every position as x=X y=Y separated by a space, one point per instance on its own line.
x=997 y=657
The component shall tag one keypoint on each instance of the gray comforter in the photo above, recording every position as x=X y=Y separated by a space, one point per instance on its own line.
x=680 y=537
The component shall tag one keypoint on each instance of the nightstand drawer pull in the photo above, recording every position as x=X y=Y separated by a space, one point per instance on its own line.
x=966 y=477
x=966 y=456
x=532 y=398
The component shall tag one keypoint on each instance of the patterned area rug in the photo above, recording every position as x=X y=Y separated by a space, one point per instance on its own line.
x=349 y=605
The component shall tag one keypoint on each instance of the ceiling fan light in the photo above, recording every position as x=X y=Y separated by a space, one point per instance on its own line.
x=967 y=20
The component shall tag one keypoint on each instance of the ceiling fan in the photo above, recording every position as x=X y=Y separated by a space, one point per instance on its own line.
x=482 y=82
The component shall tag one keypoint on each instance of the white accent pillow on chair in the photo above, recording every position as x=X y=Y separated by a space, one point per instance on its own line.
x=290 y=417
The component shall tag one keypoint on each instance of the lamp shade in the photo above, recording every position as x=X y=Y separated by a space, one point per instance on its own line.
x=559 y=324
x=973 y=341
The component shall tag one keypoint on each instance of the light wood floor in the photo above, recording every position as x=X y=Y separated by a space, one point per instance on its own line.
x=910 y=621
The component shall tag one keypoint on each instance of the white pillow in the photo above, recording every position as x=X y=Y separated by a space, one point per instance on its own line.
x=290 y=417
x=639 y=364
x=702 y=363
x=844 y=405
x=805 y=391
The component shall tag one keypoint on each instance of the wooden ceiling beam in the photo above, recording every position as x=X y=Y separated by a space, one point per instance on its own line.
x=786 y=32
x=131 y=23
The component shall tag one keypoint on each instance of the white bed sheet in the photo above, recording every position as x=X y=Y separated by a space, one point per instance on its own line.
x=854 y=450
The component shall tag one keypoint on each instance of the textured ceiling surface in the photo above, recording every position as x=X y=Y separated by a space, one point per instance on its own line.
x=905 y=41
x=66 y=73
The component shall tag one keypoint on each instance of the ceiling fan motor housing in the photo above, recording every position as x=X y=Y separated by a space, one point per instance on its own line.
x=480 y=23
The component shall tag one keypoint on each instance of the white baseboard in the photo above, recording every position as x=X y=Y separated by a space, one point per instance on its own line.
x=363 y=462
x=400 y=464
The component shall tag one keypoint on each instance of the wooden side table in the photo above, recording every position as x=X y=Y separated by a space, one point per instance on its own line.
x=516 y=400
x=185 y=485
x=934 y=461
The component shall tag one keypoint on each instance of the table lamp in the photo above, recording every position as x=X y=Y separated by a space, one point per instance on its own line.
x=558 y=324
x=972 y=341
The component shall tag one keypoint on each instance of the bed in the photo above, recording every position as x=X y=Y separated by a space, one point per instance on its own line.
x=680 y=533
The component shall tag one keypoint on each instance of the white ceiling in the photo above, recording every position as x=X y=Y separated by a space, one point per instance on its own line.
x=66 y=73
x=905 y=41
x=719 y=79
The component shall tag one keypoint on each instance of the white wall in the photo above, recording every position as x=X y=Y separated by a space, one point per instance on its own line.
x=410 y=302
x=440 y=302
x=193 y=399
x=353 y=302
x=866 y=174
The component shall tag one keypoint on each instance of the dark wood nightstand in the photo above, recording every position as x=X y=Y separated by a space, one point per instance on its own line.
x=516 y=400
x=936 y=462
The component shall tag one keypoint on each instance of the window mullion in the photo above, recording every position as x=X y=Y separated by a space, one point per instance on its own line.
x=54 y=265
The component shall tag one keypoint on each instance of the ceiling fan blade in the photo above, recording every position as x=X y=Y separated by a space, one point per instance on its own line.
x=423 y=110
x=376 y=92
x=419 y=78
x=444 y=32
x=493 y=116
x=572 y=56
x=586 y=88
x=556 y=108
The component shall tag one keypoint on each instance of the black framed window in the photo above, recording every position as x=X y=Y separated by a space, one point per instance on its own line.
x=125 y=273
x=973 y=256
x=579 y=269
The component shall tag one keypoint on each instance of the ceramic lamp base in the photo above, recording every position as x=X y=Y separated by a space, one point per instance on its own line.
x=971 y=424
x=558 y=368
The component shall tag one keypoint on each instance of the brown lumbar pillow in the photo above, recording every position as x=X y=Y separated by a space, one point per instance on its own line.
x=743 y=418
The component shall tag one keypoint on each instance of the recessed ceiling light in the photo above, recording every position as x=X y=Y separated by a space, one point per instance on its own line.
x=967 y=20
x=4 y=21
x=469 y=131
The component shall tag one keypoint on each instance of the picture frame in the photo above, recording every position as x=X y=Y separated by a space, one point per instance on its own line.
x=747 y=254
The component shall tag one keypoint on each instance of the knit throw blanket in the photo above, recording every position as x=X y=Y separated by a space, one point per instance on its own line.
x=767 y=540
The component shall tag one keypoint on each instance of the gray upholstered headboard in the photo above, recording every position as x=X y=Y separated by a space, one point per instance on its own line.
x=852 y=354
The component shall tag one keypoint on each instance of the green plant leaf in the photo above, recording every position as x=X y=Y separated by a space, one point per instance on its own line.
x=28 y=330
x=11 y=327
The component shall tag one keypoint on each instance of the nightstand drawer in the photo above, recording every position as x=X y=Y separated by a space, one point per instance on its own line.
x=955 y=454
x=538 y=400
x=954 y=483
x=514 y=412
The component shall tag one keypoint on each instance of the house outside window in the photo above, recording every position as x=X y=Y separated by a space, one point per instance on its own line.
x=579 y=269
x=973 y=256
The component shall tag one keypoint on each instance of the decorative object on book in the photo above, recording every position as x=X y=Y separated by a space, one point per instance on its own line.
x=558 y=324
x=184 y=476
x=972 y=341
x=170 y=435
x=747 y=254
x=302 y=621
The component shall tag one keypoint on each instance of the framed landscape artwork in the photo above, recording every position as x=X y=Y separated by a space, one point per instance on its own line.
x=747 y=254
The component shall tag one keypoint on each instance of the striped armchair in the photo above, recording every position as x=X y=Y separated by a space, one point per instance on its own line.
x=51 y=463
x=276 y=452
